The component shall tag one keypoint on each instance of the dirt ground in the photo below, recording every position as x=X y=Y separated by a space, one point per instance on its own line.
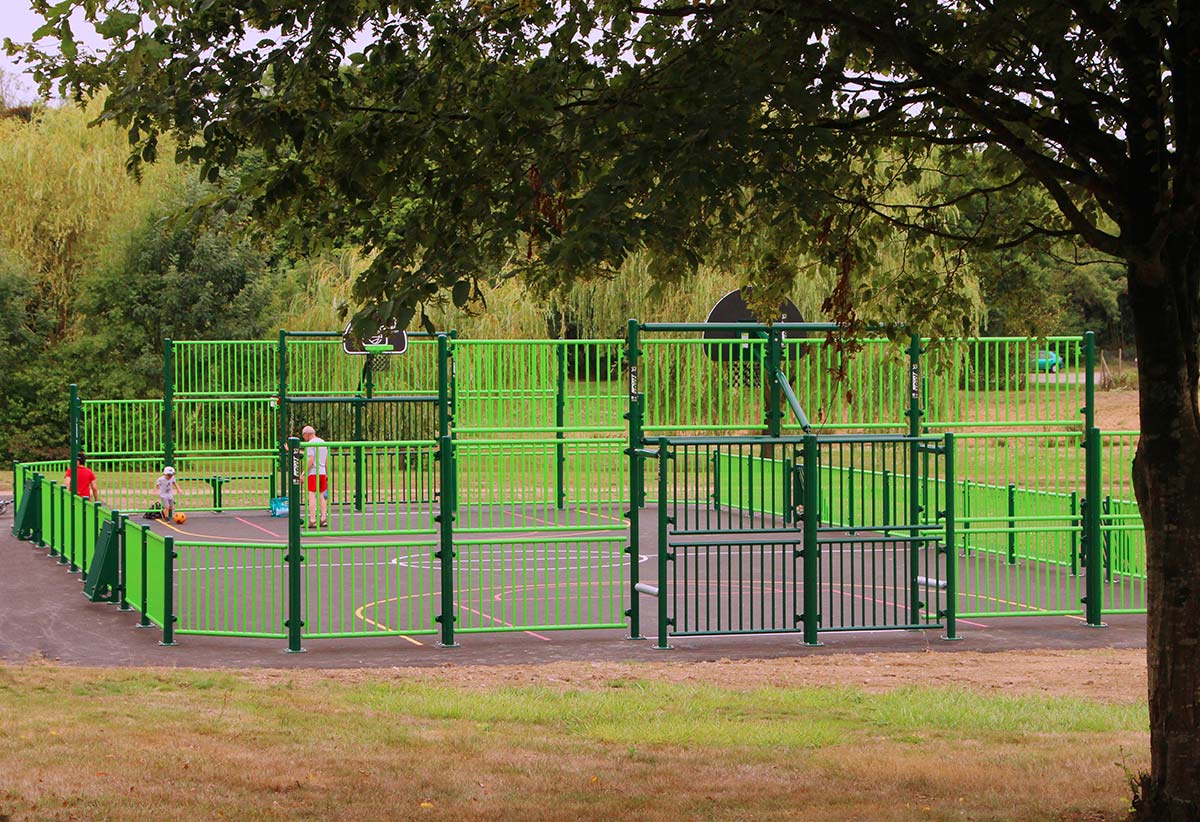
x=1117 y=410
x=1108 y=675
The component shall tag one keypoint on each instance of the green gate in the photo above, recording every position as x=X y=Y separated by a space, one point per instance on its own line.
x=803 y=534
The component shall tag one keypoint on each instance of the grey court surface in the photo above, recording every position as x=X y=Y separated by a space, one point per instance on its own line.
x=43 y=614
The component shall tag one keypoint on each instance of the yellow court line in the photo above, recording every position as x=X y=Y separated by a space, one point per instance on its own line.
x=380 y=625
x=219 y=538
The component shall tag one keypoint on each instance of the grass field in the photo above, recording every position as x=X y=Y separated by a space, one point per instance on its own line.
x=1038 y=735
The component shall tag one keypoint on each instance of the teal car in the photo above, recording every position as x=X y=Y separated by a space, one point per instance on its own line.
x=1048 y=361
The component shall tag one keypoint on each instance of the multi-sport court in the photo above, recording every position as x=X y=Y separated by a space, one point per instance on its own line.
x=687 y=480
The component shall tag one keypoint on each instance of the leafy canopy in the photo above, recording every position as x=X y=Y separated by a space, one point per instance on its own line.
x=449 y=138
x=454 y=139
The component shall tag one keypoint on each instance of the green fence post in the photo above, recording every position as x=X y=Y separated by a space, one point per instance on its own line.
x=1089 y=386
x=774 y=415
x=636 y=479
x=64 y=520
x=1093 y=600
x=1106 y=537
x=811 y=555
x=295 y=560
x=445 y=554
x=887 y=499
x=664 y=456
x=168 y=591
x=29 y=510
x=914 y=412
x=445 y=386
x=358 y=452
x=951 y=612
x=966 y=547
x=914 y=477
x=281 y=439
x=560 y=417
x=119 y=520
x=168 y=420
x=73 y=414
x=144 y=606
x=73 y=485
x=1012 y=524
x=1074 y=501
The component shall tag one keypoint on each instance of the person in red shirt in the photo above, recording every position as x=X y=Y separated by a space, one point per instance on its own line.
x=86 y=484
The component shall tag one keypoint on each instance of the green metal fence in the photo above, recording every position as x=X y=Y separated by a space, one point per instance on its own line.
x=497 y=480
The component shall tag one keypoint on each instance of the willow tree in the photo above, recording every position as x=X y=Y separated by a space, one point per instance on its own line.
x=553 y=138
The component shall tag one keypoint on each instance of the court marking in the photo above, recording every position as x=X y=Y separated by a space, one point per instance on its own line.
x=260 y=528
x=359 y=613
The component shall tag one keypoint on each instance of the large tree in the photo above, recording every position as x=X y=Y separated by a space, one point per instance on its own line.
x=453 y=138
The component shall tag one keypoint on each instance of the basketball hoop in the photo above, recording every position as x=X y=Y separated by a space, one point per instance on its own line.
x=387 y=341
x=740 y=354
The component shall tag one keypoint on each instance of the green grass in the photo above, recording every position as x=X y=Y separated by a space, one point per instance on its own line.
x=201 y=744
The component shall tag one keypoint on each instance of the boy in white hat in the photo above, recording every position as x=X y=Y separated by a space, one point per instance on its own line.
x=166 y=492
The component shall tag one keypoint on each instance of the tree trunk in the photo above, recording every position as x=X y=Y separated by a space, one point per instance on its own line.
x=1167 y=483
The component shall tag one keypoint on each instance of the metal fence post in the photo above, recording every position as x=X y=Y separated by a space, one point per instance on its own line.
x=295 y=560
x=144 y=603
x=445 y=554
x=948 y=549
x=774 y=415
x=168 y=591
x=811 y=555
x=1012 y=524
x=281 y=368
x=636 y=482
x=358 y=452
x=1089 y=387
x=914 y=477
x=664 y=456
x=73 y=466
x=560 y=417
x=1093 y=600
x=914 y=412
x=168 y=420
x=1075 y=523
x=119 y=521
x=73 y=414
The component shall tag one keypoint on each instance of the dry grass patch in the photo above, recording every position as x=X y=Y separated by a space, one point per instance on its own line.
x=565 y=743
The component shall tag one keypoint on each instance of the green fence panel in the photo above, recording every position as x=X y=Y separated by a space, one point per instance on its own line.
x=542 y=582
x=863 y=389
x=370 y=588
x=1018 y=524
x=376 y=487
x=134 y=570
x=1003 y=382
x=225 y=425
x=230 y=588
x=224 y=367
x=154 y=579
x=121 y=427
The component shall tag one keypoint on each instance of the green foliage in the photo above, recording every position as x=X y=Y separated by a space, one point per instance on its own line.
x=467 y=145
x=176 y=279
x=64 y=192
x=29 y=420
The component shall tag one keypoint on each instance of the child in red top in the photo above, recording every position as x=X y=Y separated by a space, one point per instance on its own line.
x=86 y=483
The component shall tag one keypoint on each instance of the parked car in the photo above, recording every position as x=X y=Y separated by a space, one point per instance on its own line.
x=1048 y=361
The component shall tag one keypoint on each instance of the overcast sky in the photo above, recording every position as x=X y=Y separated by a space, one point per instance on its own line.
x=18 y=22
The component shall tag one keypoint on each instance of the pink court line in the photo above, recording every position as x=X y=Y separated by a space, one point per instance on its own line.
x=259 y=527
